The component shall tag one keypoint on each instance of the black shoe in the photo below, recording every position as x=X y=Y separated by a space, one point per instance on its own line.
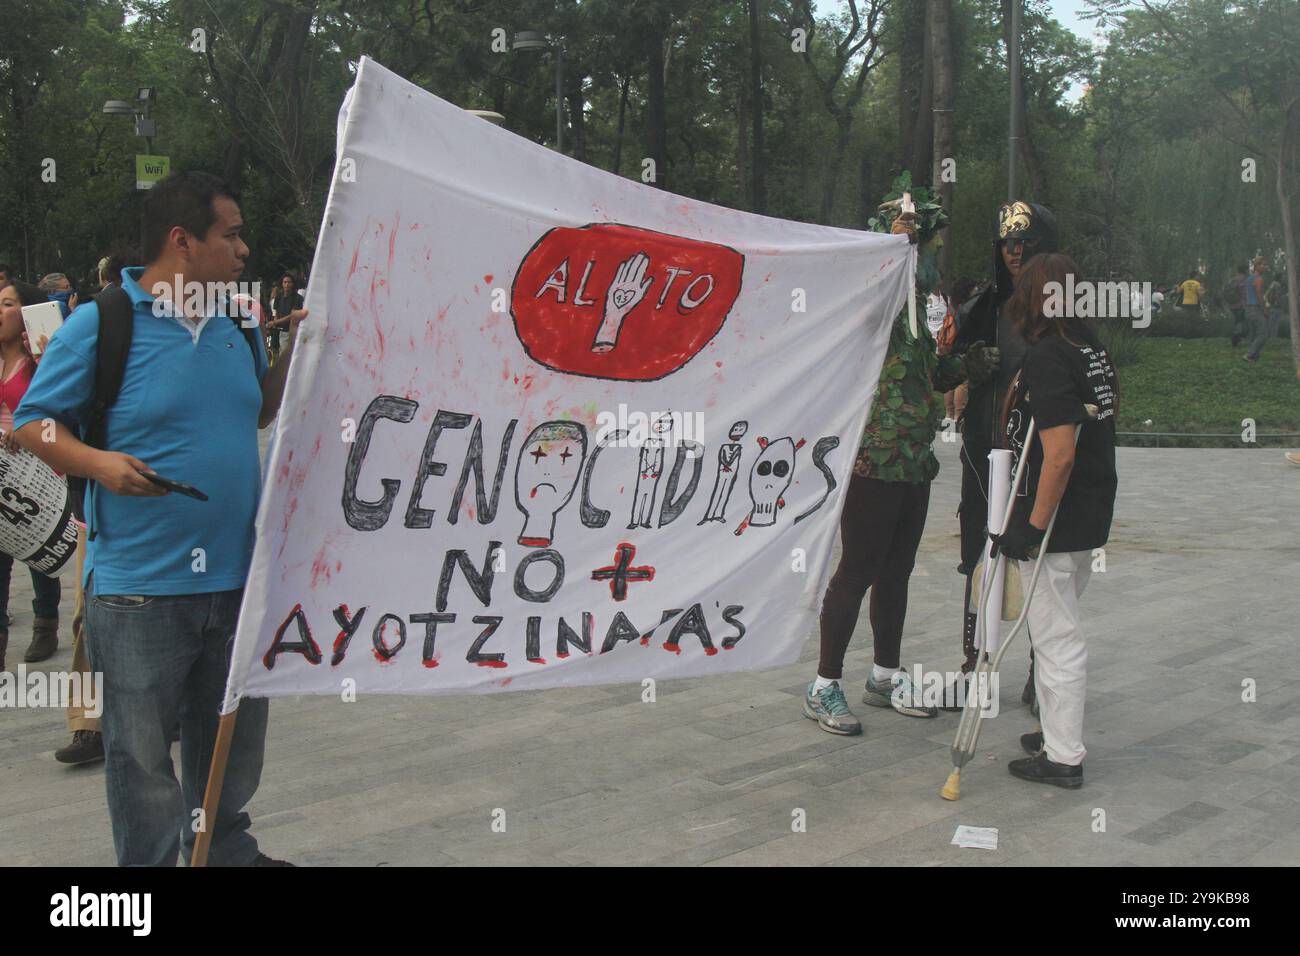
x=1041 y=770
x=1032 y=743
x=263 y=860
x=87 y=746
x=45 y=640
x=954 y=695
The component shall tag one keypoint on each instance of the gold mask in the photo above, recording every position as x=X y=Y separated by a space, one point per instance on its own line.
x=1013 y=216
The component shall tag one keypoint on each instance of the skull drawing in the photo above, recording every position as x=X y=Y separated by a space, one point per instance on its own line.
x=546 y=474
x=769 y=477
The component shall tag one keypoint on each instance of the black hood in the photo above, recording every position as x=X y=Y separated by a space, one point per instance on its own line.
x=1020 y=220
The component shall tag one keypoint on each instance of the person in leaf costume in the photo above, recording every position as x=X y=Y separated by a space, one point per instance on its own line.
x=1023 y=230
x=889 y=494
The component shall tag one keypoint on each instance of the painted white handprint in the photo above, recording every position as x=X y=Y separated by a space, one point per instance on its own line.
x=627 y=289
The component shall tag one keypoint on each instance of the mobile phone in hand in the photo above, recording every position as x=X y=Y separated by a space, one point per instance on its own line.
x=177 y=486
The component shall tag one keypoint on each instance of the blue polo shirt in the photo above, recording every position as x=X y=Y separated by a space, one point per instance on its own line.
x=190 y=399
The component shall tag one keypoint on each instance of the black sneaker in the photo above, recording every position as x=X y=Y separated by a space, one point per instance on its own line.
x=87 y=746
x=1032 y=743
x=263 y=860
x=954 y=694
x=1041 y=770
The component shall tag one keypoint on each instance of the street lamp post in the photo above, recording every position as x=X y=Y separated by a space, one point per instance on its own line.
x=142 y=110
x=535 y=40
x=145 y=127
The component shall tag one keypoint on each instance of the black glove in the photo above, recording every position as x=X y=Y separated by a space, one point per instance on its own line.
x=1020 y=541
x=980 y=362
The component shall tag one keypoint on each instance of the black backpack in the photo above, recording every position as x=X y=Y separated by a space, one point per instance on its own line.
x=116 y=324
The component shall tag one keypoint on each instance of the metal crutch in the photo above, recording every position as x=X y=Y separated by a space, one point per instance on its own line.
x=968 y=729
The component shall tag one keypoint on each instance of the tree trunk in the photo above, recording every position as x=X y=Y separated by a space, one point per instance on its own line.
x=943 y=99
x=622 y=119
x=867 y=193
x=923 y=134
x=656 y=106
x=909 y=83
x=845 y=124
x=742 y=147
x=758 y=157
x=577 y=115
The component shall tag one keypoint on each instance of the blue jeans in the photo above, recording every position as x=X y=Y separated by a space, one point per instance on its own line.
x=164 y=659
x=47 y=591
x=1260 y=329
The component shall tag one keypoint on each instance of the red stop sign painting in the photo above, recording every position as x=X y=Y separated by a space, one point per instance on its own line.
x=613 y=301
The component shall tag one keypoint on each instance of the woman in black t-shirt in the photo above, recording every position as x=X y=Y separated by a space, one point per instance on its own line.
x=1065 y=368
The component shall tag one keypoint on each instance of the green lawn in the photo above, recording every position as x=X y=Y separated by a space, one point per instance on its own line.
x=1203 y=385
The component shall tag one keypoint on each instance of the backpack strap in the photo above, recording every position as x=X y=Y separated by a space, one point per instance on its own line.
x=116 y=324
x=252 y=335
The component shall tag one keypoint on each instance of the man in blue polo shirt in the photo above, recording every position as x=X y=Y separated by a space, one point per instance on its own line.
x=165 y=572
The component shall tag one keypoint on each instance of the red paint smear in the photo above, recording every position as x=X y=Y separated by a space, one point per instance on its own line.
x=645 y=641
x=537 y=660
x=563 y=655
x=675 y=648
x=718 y=364
x=491 y=663
x=392 y=240
x=488 y=277
x=506 y=682
x=431 y=663
x=320 y=567
x=338 y=641
x=710 y=651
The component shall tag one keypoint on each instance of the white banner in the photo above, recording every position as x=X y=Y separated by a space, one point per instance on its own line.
x=547 y=426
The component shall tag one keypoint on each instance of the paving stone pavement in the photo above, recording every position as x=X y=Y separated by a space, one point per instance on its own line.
x=1198 y=595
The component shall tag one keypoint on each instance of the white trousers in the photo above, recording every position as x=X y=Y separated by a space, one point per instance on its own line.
x=1060 y=653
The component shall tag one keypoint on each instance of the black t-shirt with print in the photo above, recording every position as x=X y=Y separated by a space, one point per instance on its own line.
x=1057 y=379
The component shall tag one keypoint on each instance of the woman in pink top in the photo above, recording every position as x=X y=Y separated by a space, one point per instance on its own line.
x=16 y=368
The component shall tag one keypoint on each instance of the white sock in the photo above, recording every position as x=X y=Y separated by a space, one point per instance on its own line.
x=821 y=683
x=881 y=675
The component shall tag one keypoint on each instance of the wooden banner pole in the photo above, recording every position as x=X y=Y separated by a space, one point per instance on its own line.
x=212 y=794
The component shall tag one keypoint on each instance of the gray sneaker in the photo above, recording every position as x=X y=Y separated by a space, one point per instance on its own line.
x=901 y=694
x=831 y=710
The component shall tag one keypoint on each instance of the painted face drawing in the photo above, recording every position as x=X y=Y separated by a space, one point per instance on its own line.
x=547 y=471
x=770 y=476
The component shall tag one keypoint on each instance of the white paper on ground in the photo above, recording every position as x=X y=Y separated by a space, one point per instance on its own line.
x=981 y=838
